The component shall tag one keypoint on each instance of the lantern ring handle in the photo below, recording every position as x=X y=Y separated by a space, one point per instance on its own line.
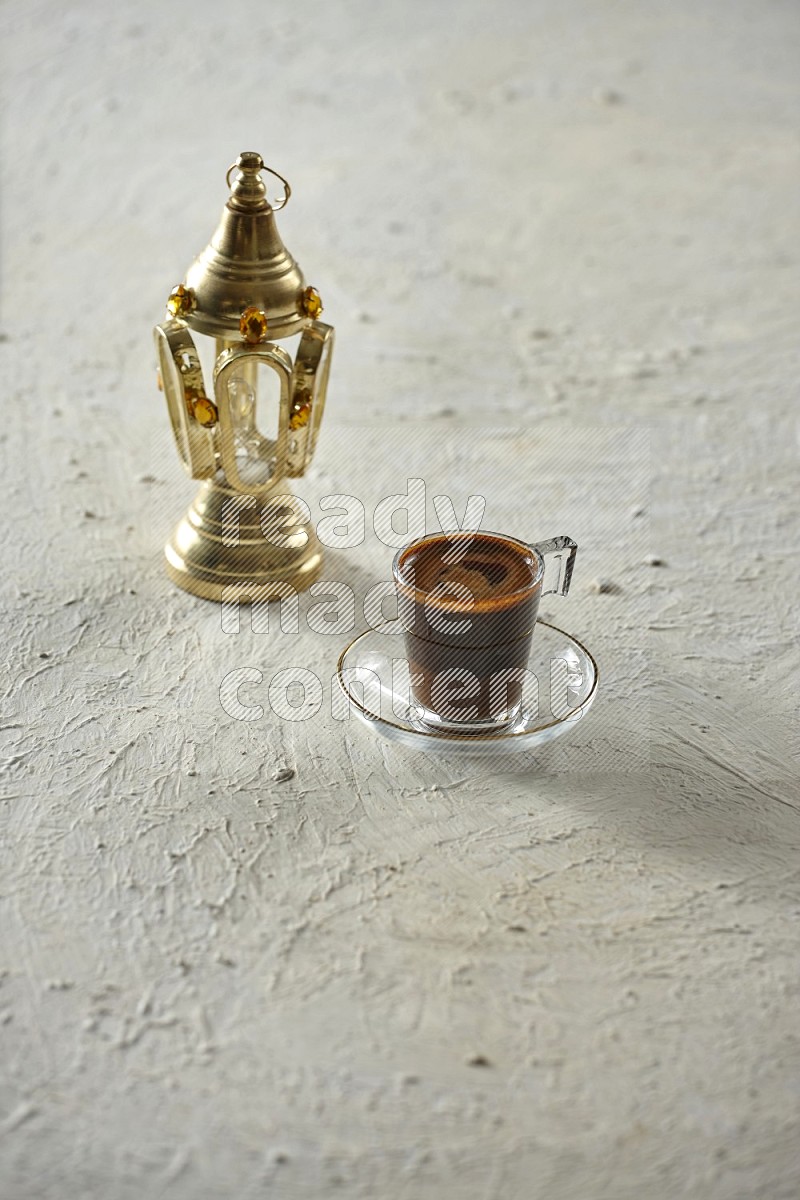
x=287 y=191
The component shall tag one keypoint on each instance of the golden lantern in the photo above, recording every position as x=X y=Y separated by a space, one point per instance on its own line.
x=245 y=536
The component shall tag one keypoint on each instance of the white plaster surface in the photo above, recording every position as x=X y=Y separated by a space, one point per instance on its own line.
x=559 y=242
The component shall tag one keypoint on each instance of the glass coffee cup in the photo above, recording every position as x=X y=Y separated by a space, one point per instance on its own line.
x=467 y=604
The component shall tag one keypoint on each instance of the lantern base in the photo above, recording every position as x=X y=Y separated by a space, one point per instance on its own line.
x=225 y=546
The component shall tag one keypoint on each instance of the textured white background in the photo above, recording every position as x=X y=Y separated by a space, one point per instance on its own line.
x=559 y=242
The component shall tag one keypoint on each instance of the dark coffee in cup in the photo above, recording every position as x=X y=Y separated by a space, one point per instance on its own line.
x=468 y=605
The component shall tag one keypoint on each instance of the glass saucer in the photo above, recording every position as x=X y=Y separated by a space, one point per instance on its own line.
x=373 y=676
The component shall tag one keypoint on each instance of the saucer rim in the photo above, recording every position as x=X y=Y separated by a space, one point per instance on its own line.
x=467 y=738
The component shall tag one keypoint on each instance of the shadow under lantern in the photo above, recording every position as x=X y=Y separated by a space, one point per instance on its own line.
x=245 y=536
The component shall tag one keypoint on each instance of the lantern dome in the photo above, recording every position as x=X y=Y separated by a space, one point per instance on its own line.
x=246 y=264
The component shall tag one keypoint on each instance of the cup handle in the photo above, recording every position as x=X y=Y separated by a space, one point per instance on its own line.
x=558 y=554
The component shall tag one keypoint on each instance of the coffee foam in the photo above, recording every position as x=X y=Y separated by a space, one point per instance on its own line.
x=479 y=571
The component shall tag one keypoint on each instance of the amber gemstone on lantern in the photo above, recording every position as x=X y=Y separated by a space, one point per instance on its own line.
x=181 y=300
x=311 y=302
x=253 y=325
x=301 y=409
x=204 y=411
